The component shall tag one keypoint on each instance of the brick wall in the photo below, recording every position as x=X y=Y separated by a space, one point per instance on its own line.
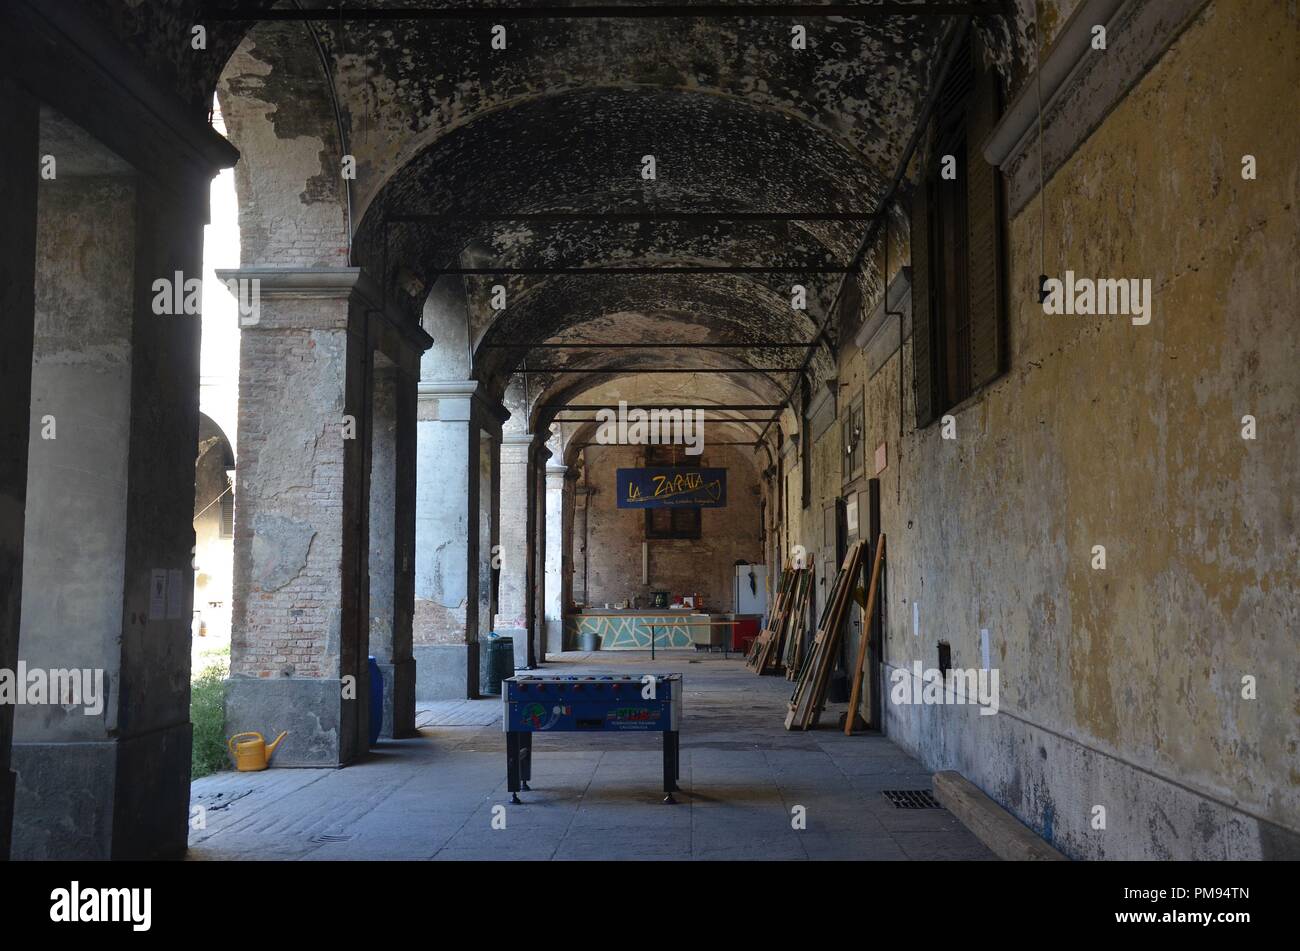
x=289 y=514
x=705 y=565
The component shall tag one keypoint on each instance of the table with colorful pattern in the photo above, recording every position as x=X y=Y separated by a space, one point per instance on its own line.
x=589 y=703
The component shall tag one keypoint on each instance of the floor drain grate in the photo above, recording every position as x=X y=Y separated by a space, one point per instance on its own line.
x=912 y=799
x=332 y=838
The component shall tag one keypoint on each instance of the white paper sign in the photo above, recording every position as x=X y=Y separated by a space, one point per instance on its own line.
x=916 y=618
x=157 y=594
x=984 y=647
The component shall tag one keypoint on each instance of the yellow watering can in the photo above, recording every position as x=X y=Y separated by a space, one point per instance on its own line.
x=252 y=755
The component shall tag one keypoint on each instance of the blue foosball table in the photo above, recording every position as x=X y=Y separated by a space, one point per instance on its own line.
x=589 y=703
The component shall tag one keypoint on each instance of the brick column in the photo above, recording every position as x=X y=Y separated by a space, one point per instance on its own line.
x=298 y=638
x=553 y=611
x=457 y=524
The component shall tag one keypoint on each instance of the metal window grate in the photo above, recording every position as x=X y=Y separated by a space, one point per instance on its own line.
x=912 y=798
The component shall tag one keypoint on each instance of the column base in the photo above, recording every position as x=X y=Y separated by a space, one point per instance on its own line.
x=446 y=671
x=130 y=797
x=554 y=636
x=311 y=709
x=399 y=699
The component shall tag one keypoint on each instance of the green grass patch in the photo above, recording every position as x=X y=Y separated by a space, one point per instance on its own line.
x=208 y=714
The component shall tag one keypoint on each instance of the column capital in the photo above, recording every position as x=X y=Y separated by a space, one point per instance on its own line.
x=299 y=282
x=322 y=283
x=436 y=390
x=462 y=397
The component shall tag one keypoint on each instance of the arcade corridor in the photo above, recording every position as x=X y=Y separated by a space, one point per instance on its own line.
x=904 y=343
x=595 y=796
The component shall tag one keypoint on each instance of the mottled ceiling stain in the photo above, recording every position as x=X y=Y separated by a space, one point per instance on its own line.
x=860 y=82
x=736 y=119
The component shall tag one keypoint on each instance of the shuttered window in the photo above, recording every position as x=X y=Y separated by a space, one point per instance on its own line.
x=852 y=436
x=679 y=522
x=228 y=512
x=958 y=284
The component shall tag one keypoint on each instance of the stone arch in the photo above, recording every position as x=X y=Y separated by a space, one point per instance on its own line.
x=277 y=103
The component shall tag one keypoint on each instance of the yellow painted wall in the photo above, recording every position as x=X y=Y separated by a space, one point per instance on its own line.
x=1123 y=687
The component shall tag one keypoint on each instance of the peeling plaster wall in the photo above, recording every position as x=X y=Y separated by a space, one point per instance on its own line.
x=292 y=204
x=76 y=525
x=442 y=513
x=676 y=565
x=1122 y=687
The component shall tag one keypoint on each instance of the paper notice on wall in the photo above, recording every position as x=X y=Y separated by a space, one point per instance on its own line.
x=175 y=595
x=984 y=647
x=916 y=618
x=157 y=594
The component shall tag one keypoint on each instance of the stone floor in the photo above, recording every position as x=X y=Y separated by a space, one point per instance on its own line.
x=595 y=796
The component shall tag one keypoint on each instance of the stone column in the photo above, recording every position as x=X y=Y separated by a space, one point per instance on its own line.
x=392 y=562
x=383 y=524
x=19 y=171
x=298 y=639
x=103 y=776
x=512 y=611
x=104 y=773
x=553 y=612
x=569 y=543
x=538 y=457
x=396 y=346
x=457 y=520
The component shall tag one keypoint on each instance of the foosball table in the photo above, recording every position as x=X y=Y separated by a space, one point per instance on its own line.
x=589 y=703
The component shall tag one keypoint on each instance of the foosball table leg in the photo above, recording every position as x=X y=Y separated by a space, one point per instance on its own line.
x=525 y=760
x=672 y=765
x=513 y=747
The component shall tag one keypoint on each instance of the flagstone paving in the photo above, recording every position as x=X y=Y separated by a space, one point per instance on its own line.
x=595 y=796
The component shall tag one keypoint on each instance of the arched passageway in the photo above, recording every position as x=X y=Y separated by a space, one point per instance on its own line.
x=464 y=244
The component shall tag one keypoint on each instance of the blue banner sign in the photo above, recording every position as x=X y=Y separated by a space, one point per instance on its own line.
x=652 y=488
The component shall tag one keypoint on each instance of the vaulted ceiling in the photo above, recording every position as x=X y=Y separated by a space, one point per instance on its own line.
x=559 y=122
x=460 y=136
